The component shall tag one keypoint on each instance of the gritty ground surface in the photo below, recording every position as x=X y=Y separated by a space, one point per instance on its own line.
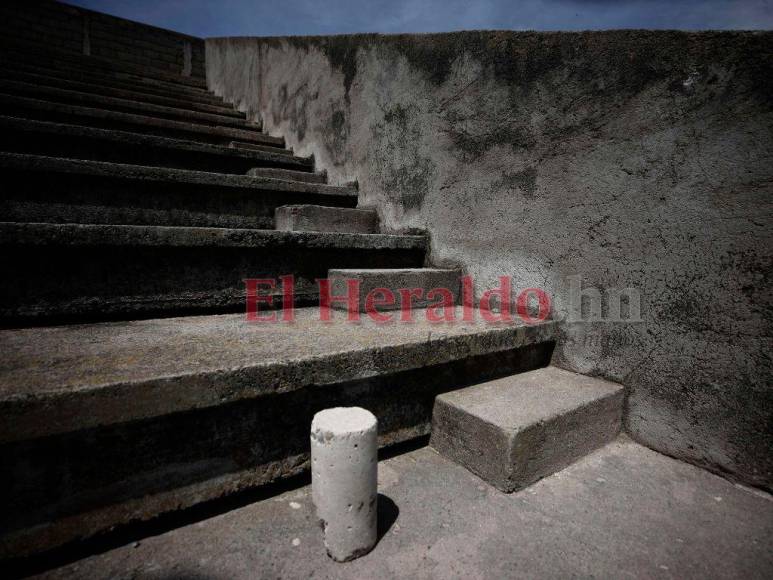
x=622 y=512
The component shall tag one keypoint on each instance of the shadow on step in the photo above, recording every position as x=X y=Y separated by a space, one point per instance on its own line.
x=154 y=475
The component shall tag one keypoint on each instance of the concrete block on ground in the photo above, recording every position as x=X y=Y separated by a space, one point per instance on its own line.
x=516 y=430
x=317 y=218
x=428 y=286
x=344 y=479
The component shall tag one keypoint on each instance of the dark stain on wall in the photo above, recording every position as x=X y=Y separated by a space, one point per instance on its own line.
x=524 y=181
x=405 y=170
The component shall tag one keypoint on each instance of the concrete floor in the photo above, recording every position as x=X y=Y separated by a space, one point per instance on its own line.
x=622 y=512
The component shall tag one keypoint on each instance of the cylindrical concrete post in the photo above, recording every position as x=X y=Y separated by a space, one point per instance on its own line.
x=344 y=479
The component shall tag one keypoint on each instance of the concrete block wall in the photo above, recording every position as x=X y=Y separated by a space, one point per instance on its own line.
x=72 y=29
x=613 y=160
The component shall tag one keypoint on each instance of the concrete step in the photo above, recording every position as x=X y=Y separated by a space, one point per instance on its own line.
x=289 y=175
x=58 y=95
x=75 y=272
x=51 y=139
x=54 y=190
x=32 y=52
x=17 y=106
x=135 y=419
x=426 y=286
x=250 y=146
x=513 y=431
x=317 y=218
x=176 y=102
x=117 y=81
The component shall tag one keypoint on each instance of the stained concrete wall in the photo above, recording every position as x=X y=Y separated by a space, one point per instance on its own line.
x=617 y=159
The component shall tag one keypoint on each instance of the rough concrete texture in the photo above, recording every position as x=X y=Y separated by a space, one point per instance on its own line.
x=622 y=512
x=45 y=110
x=41 y=79
x=98 y=417
x=210 y=360
x=317 y=218
x=79 y=142
x=53 y=190
x=344 y=475
x=627 y=158
x=516 y=430
x=119 y=81
x=253 y=147
x=133 y=105
x=43 y=164
x=421 y=287
x=289 y=175
x=76 y=272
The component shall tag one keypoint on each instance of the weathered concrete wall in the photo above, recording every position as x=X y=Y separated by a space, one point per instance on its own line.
x=631 y=159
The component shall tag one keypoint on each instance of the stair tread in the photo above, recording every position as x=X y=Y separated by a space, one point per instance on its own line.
x=121 y=93
x=56 y=379
x=395 y=271
x=96 y=77
x=157 y=141
x=183 y=236
x=144 y=121
x=57 y=94
x=513 y=403
x=123 y=171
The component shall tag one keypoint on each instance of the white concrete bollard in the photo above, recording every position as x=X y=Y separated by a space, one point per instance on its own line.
x=344 y=479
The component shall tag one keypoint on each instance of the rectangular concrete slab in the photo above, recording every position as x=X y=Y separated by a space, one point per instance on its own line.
x=318 y=218
x=516 y=430
x=256 y=147
x=430 y=286
x=289 y=175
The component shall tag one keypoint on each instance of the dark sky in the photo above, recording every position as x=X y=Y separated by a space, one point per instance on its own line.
x=299 y=17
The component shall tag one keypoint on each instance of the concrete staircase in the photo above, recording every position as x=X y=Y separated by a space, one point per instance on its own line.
x=135 y=204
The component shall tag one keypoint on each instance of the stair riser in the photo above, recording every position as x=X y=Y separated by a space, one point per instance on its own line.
x=237 y=446
x=57 y=283
x=83 y=143
x=63 y=113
